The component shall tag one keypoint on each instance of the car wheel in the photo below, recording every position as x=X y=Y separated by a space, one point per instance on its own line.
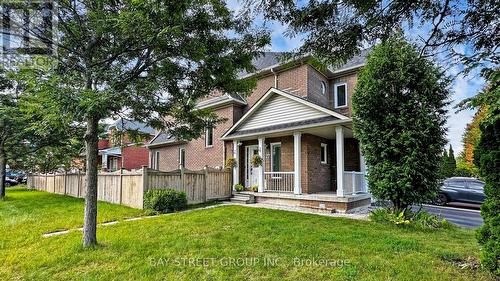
x=7 y=184
x=441 y=199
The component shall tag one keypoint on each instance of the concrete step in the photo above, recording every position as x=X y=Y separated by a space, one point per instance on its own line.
x=242 y=198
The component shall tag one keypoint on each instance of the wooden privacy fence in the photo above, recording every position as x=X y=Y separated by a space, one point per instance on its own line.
x=128 y=187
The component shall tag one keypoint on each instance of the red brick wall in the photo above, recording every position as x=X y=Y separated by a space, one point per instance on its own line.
x=315 y=175
x=134 y=157
x=294 y=80
x=314 y=93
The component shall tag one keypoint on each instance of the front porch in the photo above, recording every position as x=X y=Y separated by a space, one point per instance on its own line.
x=308 y=154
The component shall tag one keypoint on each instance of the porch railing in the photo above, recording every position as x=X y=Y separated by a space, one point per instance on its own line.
x=279 y=181
x=354 y=182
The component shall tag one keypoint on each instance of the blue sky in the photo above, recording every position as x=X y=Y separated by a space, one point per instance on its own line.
x=462 y=87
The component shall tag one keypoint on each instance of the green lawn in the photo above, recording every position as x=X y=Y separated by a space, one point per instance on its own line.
x=173 y=247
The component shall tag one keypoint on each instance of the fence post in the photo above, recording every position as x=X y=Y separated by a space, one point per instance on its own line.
x=78 y=184
x=121 y=185
x=183 y=184
x=205 y=183
x=65 y=175
x=144 y=183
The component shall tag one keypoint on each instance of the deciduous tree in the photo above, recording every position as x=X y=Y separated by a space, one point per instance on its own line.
x=335 y=30
x=146 y=60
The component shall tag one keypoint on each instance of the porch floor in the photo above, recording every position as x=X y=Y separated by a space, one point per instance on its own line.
x=323 y=200
x=320 y=196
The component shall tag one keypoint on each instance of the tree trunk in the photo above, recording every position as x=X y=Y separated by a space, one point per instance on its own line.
x=90 y=217
x=3 y=169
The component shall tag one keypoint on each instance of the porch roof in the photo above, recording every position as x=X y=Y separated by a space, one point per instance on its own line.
x=278 y=110
x=285 y=126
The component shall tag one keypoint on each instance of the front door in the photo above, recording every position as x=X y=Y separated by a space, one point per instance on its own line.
x=251 y=172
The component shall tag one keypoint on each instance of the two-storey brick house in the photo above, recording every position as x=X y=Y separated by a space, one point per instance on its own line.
x=298 y=119
x=118 y=151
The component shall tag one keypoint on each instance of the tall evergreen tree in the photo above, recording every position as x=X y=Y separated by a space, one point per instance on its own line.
x=444 y=164
x=451 y=163
x=399 y=116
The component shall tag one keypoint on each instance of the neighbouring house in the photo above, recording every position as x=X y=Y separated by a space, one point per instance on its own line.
x=299 y=120
x=119 y=151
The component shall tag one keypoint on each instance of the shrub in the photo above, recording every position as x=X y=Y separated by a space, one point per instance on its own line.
x=487 y=158
x=419 y=220
x=238 y=187
x=164 y=200
x=254 y=188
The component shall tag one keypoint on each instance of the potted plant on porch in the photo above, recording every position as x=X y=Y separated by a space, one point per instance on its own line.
x=256 y=160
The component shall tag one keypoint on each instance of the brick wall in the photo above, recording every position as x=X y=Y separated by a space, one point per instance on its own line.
x=197 y=155
x=134 y=157
x=169 y=157
x=314 y=91
x=316 y=176
x=294 y=80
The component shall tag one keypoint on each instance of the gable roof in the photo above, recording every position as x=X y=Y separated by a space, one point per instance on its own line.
x=163 y=138
x=278 y=109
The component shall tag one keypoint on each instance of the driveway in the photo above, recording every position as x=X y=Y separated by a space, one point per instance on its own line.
x=465 y=215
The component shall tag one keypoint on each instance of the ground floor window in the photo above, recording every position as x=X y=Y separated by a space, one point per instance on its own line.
x=182 y=157
x=324 y=153
x=113 y=164
x=275 y=157
x=209 y=137
x=157 y=160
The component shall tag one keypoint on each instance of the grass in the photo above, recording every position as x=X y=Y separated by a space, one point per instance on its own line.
x=234 y=242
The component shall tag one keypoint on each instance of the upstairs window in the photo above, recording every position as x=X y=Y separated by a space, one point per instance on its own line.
x=323 y=88
x=340 y=95
x=209 y=137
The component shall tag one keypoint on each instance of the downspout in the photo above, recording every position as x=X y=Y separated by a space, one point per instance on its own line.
x=275 y=78
x=223 y=154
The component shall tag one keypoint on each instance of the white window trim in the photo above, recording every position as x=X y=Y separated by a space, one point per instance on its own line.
x=335 y=95
x=271 y=154
x=157 y=160
x=182 y=149
x=323 y=88
x=206 y=138
x=325 y=153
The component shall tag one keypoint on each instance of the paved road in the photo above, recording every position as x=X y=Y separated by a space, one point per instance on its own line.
x=465 y=215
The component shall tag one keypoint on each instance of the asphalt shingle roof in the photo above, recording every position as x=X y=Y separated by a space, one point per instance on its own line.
x=163 y=138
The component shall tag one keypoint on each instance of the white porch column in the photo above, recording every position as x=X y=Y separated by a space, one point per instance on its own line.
x=297 y=188
x=236 y=156
x=262 y=154
x=362 y=165
x=104 y=161
x=339 y=138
